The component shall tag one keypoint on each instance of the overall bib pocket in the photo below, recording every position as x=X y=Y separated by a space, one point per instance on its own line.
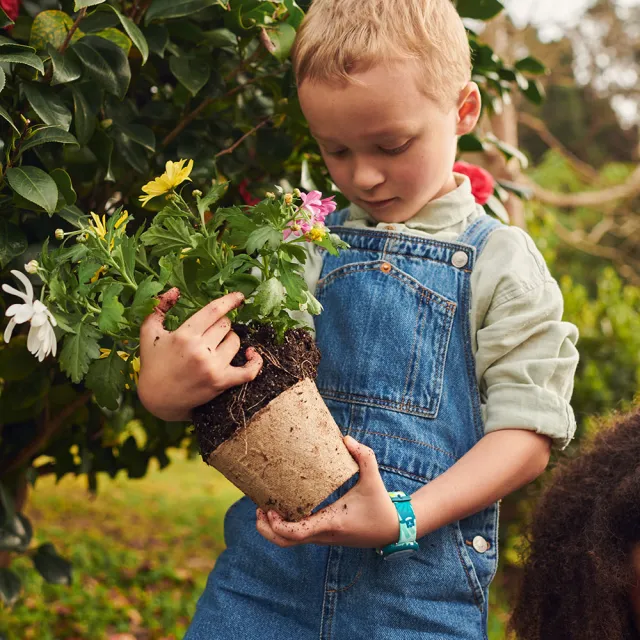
x=394 y=333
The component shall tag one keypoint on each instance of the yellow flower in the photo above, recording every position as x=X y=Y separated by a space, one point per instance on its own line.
x=123 y=219
x=288 y=198
x=98 y=273
x=105 y=353
x=317 y=233
x=135 y=363
x=175 y=173
x=100 y=226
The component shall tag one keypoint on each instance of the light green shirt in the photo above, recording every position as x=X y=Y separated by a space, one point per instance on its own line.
x=525 y=354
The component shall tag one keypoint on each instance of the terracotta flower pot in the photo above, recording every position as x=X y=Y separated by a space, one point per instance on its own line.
x=290 y=456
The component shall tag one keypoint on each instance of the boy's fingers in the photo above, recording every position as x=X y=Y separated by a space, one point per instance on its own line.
x=266 y=531
x=214 y=335
x=153 y=325
x=199 y=322
x=248 y=371
x=366 y=459
x=228 y=347
x=317 y=525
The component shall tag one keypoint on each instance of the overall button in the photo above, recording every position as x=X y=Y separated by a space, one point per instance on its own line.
x=480 y=544
x=459 y=259
x=385 y=267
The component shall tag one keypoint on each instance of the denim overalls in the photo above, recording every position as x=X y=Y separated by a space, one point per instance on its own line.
x=398 y=374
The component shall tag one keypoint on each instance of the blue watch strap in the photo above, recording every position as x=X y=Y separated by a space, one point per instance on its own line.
x=408 y=531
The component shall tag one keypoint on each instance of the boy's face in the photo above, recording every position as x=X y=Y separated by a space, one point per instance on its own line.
x=388 y=147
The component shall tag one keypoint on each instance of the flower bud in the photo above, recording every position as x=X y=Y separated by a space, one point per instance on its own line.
x=271 y=195
x=31 y=267
x=81 y=238
x=288 y=198
x=196 y=193
x=59 y=234
x=296 y=192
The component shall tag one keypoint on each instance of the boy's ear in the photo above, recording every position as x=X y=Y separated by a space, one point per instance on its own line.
x=469 y=106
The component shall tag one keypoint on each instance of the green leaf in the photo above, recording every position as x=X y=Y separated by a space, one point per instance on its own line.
x=531 y=65
x=313 y=305
x=282 y=37
x=79 y=349
x=10 y=586
x=469 y=143
x=534 y=92
x=493 y=205
x=51 y=28
x=296 y=14
x=66 y=66
x=112 y=313
x=16 y=362
x=20 y=54
x=131 y=153
x=4 y=114
x=508 y=150
x=139 y=134
x=5 y=20
x=295 y=251
x=102 y=146
x=47 y=104
x=117 y=37
x=3 y=79
x=192 y=72
x=74 y=216
x=133 y=31
x=145 y=301
x=261 y=236
x=106 y=378
x=292 y=280
x=106 y=63
x=479 y=9
x=34 y=185
x=66 y=193
x=87 y=269
x=214 y=194
x=85 y=117
x=15 y=532
x=52 y=567
x=158 y=38
x=174 y=234
x=221 y=39
x=270 y=297
x=13 y=242
x=163 y=9
x=81 y=4
x=48 y=134
x=125 y=257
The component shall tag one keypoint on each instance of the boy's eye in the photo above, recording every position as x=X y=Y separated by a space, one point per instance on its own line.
x=337 y=152
x=397 y=150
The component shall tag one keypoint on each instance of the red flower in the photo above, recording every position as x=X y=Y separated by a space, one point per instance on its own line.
x=242 y=190
x=482 y=181
x=11 y=8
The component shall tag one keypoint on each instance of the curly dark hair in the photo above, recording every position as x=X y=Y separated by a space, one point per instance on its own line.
x=578 y=573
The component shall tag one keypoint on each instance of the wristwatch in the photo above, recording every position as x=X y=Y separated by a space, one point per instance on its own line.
x=406 y=544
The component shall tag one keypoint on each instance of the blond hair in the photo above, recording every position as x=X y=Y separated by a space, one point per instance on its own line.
x=340 y=37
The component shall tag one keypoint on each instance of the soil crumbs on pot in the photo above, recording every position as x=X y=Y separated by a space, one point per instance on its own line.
x=283 y=366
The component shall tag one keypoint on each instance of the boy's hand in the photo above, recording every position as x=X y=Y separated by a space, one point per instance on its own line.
x=183 y=369
x=364 y=517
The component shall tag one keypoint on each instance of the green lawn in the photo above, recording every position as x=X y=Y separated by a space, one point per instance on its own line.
x=141 y=552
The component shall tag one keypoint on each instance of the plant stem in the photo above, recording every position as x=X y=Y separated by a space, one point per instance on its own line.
x=240 y=140
x=72 y=30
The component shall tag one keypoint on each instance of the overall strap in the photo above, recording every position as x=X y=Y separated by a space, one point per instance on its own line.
x=338 y=218
x=478 y=232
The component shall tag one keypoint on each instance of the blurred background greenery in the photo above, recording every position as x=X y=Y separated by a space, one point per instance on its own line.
x=141 y=548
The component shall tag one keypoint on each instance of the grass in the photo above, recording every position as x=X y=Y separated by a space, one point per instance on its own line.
x=141 y=551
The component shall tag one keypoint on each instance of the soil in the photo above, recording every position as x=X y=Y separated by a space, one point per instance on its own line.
x=283 y=366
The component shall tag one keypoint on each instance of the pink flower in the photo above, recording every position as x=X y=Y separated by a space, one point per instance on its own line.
x=482 y=182
x=297 y=228
x=318 y=207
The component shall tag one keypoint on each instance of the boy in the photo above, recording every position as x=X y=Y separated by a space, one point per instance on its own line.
x=444 y=354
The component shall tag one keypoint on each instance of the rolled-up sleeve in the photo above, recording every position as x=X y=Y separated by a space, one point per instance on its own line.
x=526 y=355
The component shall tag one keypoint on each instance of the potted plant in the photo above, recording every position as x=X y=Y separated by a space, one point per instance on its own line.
x=274 y=437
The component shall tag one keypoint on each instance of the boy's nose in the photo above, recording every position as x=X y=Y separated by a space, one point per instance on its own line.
x=366 y=176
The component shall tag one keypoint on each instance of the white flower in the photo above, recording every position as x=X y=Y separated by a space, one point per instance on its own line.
x=41 y=340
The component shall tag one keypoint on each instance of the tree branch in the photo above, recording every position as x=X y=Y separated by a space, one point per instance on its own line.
x=72 y=30
x=537 y=125
x=240 y=140
x=50 y=427
x=628 y=189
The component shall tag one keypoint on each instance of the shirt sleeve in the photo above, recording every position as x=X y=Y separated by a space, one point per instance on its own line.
x=526 y=355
